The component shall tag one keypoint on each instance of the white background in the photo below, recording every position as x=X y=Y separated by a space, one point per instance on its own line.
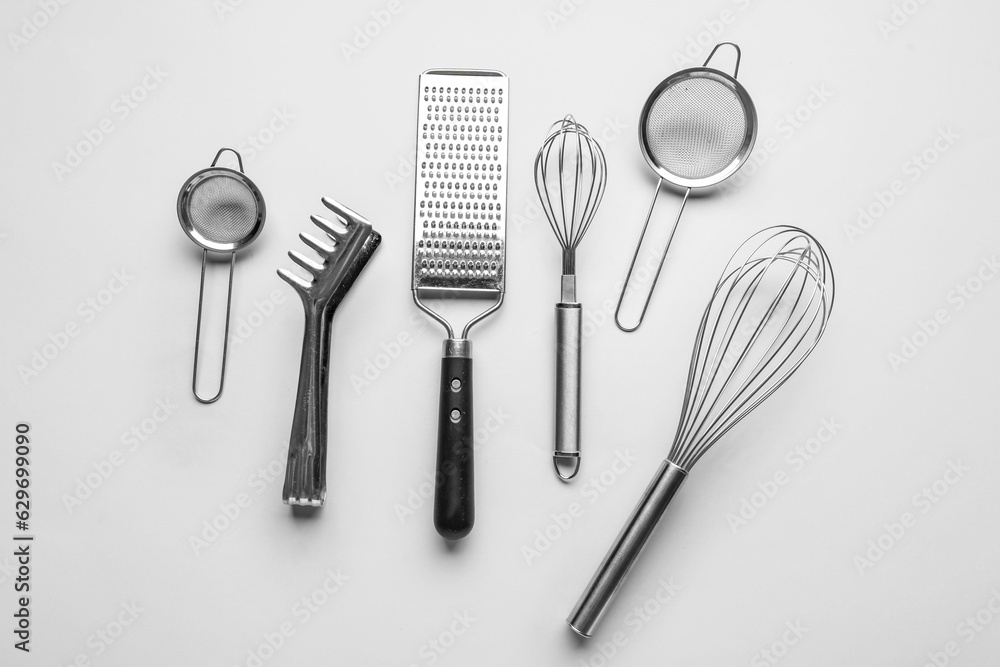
x=886 y=97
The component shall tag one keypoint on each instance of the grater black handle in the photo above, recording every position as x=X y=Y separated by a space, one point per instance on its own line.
x=454 y=504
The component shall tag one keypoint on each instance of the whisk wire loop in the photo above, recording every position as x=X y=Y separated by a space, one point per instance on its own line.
x=767 y=313
x=570 y=195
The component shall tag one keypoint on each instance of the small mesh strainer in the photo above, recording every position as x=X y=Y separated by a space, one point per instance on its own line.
x=221 y=210
x=696 y=129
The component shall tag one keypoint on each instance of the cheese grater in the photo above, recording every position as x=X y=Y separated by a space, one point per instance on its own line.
x=459 y=247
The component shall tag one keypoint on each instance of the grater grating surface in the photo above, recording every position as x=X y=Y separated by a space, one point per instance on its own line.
x=459 y=219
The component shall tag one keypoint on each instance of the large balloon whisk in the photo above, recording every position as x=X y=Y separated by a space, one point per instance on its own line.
x=768 y=312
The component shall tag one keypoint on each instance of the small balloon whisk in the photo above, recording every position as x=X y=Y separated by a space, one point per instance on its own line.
x=570 y=176
x=768 y=312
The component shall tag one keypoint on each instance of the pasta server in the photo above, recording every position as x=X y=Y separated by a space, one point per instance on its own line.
x=344 y=249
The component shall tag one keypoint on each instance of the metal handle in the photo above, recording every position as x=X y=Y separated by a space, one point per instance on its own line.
x=239 y=158
x=197 y=334
x=627 y=286
x=568 y=341
x=305 y=474
x=629 y=543
x=454 y=496
x=739 y=55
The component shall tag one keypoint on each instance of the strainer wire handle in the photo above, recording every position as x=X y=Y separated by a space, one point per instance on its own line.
x=239 y=158
x=197 y=333
x=739 y=54
x=635 y=256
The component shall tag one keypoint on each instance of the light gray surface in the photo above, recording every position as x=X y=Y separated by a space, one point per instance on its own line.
x=867 y=100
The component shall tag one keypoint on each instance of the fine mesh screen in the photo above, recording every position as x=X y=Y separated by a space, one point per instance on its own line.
x=696 y=127
x=223 y=209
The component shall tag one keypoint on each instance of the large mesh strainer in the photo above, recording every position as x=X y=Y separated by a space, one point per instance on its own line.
x=222 y=211
x=696 y=129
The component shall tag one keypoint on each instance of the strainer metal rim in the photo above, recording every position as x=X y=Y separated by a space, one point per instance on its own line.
x=749 y=136
x=185 y=219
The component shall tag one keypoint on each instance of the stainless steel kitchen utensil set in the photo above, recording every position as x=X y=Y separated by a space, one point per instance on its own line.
x=459 y=250
x=696 y=129
x=222 y=211
x=570 y=176
x=767 y=312
x=347 y=244
x=766 y=315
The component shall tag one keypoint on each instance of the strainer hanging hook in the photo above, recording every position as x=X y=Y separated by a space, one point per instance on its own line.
x=221 y=210
x=696 y=129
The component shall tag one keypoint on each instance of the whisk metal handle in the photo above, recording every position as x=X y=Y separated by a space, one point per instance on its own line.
x=454 y=495
x=305 y=474
x=568 y=340
x=626 y=548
